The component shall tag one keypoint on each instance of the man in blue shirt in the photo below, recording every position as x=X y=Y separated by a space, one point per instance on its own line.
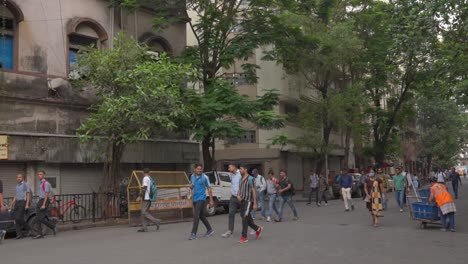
x=200 y=183
x=42 y=205
x=346 y=184
x=20 y=204
x=233 y=202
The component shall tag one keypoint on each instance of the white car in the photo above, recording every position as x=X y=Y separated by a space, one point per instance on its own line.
x=220 y=182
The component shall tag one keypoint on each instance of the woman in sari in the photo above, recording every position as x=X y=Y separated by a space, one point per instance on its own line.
x=374 y=188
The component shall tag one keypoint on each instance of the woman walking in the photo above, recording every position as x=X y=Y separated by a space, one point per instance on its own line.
x=374 y=190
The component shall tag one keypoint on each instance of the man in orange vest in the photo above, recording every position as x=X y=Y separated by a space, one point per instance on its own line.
x=445 y=203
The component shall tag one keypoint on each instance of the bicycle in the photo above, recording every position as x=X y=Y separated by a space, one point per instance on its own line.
x=77 y=212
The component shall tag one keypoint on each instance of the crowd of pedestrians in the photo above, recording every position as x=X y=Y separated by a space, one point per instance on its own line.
x=249 y=192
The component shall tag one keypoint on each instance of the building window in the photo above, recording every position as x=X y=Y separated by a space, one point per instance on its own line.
x=249 y=136
x=83 y=33
x=236 y=79
x=291 y=111
x=7 y=39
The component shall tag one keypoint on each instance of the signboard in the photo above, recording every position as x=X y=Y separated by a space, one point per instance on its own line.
x=3 y=147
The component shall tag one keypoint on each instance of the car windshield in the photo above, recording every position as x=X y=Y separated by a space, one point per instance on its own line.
x=224 y=176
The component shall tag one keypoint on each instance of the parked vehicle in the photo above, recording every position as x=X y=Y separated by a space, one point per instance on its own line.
x=7 y=219
x=220 y=182
x=355 y=192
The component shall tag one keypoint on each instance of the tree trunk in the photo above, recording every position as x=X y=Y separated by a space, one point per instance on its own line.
x=208 y=156
x=345 y=164
x=112 y=170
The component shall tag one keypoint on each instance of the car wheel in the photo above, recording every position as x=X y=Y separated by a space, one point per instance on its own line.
x=210 y=211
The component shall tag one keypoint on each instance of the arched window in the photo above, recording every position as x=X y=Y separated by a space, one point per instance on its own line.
x=10 y=16
x=156 y=43
x=83 y=33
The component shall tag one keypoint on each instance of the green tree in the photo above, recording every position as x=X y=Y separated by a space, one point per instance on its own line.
x=138 y=97
x=322 y=49
x=226 y=31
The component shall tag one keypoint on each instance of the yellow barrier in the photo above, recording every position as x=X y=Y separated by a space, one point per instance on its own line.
x=173 y=201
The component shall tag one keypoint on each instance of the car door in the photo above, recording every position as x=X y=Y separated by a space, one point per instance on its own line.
x=225 y=184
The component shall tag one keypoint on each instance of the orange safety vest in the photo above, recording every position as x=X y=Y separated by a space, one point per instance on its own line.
x=441 y=195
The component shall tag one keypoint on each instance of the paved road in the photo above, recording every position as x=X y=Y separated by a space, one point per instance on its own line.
x=322 y=235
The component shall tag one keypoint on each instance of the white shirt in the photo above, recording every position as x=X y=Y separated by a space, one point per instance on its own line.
x=260 y=183
x=147 y=184
x=440 y=177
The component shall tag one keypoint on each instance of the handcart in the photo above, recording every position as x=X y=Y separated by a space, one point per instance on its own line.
x=422 y=211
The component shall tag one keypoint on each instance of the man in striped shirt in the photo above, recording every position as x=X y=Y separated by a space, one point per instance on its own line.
x=248 y=201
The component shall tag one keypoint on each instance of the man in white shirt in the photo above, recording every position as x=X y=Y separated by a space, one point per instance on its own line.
x=260 y=188
x=440 y=177
x=146 y=202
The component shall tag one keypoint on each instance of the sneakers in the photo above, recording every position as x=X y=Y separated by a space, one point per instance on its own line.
x=259 y=232
x=307 y=203
x=227 y=234
x=209 y=233
x=252 y=232
x=443 y=230
x=268 y=219
x=452 y=230
x=401 y=210
x=243 y=240
x=2 y=235
x=192 y=237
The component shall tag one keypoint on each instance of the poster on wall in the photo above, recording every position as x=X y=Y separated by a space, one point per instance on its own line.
x=3 y=147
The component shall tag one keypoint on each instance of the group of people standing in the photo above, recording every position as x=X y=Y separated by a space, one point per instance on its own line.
x=21 y=204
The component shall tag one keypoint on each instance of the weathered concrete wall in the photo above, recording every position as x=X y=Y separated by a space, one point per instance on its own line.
x=70 y=150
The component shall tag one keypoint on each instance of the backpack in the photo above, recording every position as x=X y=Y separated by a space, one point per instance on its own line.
x=51 y=193
x=153 y=190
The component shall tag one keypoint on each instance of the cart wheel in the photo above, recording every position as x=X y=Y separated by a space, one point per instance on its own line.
x=423 y=225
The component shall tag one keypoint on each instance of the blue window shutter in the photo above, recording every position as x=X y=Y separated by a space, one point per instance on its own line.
x=72 y=56
x=6 y=52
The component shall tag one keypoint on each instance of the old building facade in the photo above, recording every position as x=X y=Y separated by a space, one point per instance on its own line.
x=39 y=109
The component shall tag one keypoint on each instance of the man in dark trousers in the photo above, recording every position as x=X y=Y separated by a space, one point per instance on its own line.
x=2 y=209
x=248 y=200
x=21 y=203
x=200 y=184
x=456 y=179
x=44 y=189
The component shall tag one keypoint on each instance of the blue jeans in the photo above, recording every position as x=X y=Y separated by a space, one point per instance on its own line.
x=272 y=205
x=286 y=199
x=399 y=196
x=260 y=204
x=443 y=219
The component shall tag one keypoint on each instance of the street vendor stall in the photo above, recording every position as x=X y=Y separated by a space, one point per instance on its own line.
x=173 y=202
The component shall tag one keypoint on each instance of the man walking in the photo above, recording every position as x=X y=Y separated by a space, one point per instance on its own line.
x=145 y=199
x=286 y=194
x=42 y=205
x=233 y=201
x=2 y=209
x=20 y=204
x=399 y=181
x=272 y=189
x=260 y=188
x=440 y=177
x=314 y=181
x=248 y=201
x=346 y=184
x=455 y=178
x=200 y=184
x=323 y=188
